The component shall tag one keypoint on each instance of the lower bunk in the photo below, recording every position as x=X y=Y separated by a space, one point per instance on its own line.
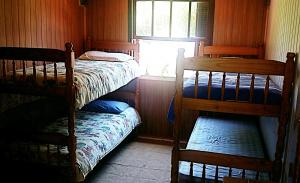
x=228 y=135
x=96 y=134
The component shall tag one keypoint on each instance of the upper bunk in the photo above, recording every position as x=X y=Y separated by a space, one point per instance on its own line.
x=92 y=75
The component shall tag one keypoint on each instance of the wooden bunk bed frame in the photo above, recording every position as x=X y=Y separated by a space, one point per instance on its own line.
x=249 y=66
x=216 y=51
x=42 y=56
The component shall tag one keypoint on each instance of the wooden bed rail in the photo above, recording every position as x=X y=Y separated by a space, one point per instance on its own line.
x=216 y=51
x=242 y=162
x=131 y=49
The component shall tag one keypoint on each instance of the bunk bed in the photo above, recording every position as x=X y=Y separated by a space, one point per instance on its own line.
x=75 y=142
x=225 y=141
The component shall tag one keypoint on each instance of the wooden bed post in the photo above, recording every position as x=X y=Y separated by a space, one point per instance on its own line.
x=137 y=51
x=178 y=111
x=201 y=49
x=137 y=98
x=261 y=52
x=70 y=91
x=284 y=115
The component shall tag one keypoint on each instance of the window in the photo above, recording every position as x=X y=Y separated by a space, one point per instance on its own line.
x=163 y=26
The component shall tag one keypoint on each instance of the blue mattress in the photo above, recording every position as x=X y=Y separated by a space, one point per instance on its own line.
x=274 y=96
x=238 y=136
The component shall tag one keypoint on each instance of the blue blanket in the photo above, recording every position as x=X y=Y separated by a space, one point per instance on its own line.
x=274 y=96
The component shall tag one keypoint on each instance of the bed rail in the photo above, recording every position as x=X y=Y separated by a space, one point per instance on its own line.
x=131 y=49
x=216 y=51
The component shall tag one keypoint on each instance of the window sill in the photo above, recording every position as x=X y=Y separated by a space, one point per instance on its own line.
x=157 y=78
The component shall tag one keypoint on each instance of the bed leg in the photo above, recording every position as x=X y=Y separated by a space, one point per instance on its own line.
x=276 y=172
x=175 y=166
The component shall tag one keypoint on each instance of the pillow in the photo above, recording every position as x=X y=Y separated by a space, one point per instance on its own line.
x=105 y=56
x=105 y=106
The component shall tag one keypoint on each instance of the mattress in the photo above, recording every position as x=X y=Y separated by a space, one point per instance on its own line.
x=274 y=96
x=92 y=79
x=234 y=136
x=97 y=134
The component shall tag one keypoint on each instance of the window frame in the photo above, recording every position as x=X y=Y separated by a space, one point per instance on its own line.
x=209 y=28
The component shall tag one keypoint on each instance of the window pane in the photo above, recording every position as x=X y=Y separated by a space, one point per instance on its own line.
x=158 y=58
x=143 y=18
x=180 y=14
x=199 y=18
x=161 y=18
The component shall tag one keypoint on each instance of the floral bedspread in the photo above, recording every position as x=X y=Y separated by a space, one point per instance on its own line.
x=92 y=79
x=96 y=135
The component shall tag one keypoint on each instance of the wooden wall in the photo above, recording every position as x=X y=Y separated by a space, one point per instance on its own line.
x=156 y=95
x=239 y=22
x=236 y=22
x=283 y=35
x=41 y=23
x=107 y=20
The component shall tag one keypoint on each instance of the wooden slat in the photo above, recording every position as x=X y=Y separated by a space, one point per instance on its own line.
x=223 y=86
x=44 y=71
x=266 y=91
x=237 y=87
x=209 y=85
x=230 y=107
x=250 y=66
x=251 y=92
x=196 y=84
x=24 y=68
x=225 y=160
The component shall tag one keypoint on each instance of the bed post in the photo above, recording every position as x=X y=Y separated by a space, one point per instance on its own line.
x=70 y=94
x=261 y=52
x=284 y=115
x=137 y=99
x=201 y=49
x=177 y=110
x=136 y=53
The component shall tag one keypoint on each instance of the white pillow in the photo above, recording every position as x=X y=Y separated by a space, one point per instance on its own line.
x=105 y=56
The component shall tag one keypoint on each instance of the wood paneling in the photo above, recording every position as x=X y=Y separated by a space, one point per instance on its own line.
x=156 y=95
x=41 y=23
x=283 y=35
x=107 y=20
x=239 y=22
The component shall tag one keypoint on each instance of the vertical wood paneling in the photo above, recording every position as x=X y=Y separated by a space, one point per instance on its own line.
x=156 y=95
x=2 y=23
x=8 y=23
x=239 y=22
x=283 y=35
x=41 y=23
x=155 y=99
x=107 y=20
x=21 y=23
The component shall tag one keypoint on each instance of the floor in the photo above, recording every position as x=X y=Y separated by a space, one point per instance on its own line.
x=131 y=162
x=135 y=162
